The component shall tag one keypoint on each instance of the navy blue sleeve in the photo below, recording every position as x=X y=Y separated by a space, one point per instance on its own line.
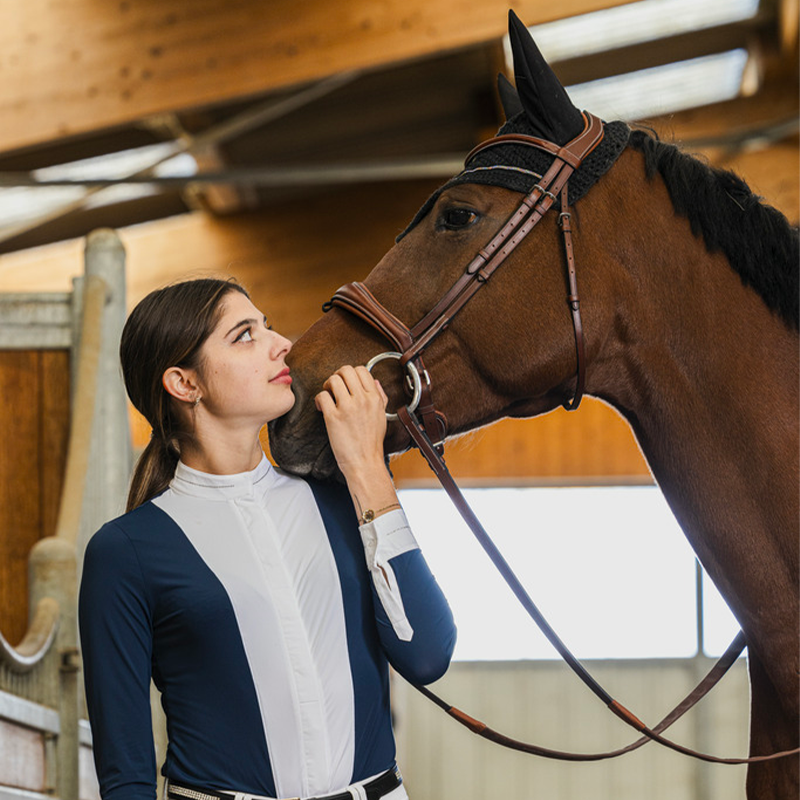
x=116 y=641
x=426 y=657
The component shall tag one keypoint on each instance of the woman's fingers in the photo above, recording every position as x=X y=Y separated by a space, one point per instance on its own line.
x=335 y=386
x=365 y=378
x=356 y=383
x=324 y=401
x=354 y=379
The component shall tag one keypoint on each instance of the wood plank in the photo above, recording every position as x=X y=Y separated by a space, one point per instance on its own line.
x=789 y=21
x=53 y=427
x=20 y=507
x=32 y=460
x=78 y=66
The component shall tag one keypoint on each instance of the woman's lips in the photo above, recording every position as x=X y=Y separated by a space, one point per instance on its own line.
x=282 y=377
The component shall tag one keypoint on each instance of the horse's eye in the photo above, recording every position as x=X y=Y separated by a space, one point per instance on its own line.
x=457 y=218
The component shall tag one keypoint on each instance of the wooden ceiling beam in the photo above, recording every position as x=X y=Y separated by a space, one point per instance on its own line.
x=78 y=66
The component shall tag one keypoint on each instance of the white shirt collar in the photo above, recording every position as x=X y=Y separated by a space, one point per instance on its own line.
x=188 y=481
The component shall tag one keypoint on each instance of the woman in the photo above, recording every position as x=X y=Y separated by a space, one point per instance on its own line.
x=263 y=617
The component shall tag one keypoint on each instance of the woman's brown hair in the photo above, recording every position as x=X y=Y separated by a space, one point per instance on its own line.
x=166 y=329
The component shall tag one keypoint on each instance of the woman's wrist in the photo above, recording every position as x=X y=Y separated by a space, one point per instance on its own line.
x=372 y=491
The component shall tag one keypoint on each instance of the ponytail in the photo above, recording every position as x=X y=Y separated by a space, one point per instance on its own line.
x=166 y=329
x=154 y=471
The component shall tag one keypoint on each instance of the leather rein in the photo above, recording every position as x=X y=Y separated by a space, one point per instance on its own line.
x=429 y=428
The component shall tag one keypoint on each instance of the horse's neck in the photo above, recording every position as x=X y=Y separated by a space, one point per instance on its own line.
x=708 y=378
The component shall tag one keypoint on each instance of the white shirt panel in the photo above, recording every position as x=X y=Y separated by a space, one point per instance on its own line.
x=262 y=535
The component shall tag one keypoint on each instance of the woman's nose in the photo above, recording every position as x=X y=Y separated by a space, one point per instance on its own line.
x=281 y=346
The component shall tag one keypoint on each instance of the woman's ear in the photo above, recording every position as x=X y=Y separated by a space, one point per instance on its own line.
x=181 y=384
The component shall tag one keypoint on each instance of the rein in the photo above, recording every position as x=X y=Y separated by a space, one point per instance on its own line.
x=429 y=433
x=436 y=462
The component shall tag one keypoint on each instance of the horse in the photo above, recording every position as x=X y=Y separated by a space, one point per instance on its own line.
x=688 y=327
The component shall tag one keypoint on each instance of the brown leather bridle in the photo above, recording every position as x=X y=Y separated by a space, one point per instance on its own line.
x=409 y=343
x=428 y=434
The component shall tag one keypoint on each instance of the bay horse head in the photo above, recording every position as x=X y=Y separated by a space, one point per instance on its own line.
x=477 y=359
x=687 y=292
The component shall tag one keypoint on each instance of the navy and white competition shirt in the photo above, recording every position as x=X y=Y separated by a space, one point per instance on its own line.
x=267 y=623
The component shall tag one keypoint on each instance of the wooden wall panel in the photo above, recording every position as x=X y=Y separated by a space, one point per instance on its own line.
x=53 y=428
x=591 y=445
x=34 y=407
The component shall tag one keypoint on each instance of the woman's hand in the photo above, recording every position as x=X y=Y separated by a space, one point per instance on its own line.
x=353 y=405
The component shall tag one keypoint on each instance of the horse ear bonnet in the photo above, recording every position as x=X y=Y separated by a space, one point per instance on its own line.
x=508 y=97
x=539 y=107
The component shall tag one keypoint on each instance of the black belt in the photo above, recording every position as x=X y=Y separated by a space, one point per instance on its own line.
x=375 y=789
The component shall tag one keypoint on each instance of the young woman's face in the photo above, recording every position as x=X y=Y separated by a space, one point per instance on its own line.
x=243 y=376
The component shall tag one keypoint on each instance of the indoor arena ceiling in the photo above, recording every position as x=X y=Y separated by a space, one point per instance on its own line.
x=410 y=119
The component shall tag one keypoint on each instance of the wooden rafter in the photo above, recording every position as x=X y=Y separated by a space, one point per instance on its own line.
x=79 y=66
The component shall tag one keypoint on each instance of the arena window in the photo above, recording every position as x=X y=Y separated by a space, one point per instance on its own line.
x=608 y=566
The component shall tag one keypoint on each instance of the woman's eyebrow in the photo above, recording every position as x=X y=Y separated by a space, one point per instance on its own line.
x=240 y=324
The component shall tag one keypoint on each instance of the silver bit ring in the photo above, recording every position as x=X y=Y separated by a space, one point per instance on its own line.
x=413 y=374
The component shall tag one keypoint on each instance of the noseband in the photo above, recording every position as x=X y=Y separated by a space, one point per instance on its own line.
x=409 y=343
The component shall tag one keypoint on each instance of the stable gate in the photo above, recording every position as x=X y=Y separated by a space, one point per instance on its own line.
x=65 y=460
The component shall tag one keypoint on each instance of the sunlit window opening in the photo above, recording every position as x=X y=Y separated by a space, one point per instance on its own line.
x=664 y=89
x=635 y=23
x=608 y=567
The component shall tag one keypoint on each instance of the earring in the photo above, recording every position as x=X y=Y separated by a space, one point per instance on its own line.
x=196 y=402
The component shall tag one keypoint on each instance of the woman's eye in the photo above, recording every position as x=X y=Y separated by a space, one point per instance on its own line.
x=456 y=218
x=245 y=336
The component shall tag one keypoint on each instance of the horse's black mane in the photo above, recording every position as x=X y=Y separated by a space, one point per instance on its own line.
x=757 y=239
